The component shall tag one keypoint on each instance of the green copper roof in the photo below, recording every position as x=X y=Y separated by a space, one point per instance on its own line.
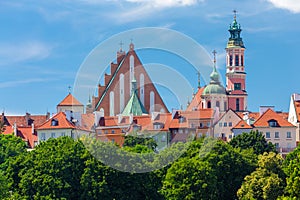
x=235 y=39
x=134 y=105
x=214 y=87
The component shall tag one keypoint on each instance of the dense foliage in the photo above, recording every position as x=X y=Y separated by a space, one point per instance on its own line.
x=254 y=140
x=64 y=168
x=267 y=181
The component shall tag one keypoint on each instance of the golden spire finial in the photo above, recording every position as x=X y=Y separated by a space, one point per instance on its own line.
x=235 y=12
x=215 y=53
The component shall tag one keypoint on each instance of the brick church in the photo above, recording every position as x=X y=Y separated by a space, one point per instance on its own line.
x=128 y=80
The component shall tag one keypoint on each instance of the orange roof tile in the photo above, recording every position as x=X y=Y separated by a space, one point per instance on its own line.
x=87 y=121
x=63 y=122
x=70 y=100
x=191 y=115
x=242 y=125
x=262 y=121
x=21 y=121
x=195 y=103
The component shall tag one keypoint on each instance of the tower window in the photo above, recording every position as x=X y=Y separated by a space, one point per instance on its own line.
x=218 y=104
x=230 y=60
x=237 y=86
x=237 y=104
x=236 y=60
x=242 y=60
x=209 y=104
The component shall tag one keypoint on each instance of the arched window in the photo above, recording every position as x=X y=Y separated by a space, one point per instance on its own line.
x=237 y=104
x=121 y=92
x=209 y=104
x=236 y=60
x=111 y=103
x=142 y=82
x=131 y=65
x=230 y=60
x=152 y=101
x=242 y=60
x=218 y=104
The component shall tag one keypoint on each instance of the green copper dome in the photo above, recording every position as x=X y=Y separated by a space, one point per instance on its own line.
x=214 y=87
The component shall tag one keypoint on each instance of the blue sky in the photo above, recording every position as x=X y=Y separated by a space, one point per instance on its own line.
x=44 y=43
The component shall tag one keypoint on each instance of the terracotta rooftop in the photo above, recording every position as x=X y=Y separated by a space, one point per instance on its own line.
x=70 y=100
x=195 y=103
x=242 y=125
x=62 y=120
x=263 y=120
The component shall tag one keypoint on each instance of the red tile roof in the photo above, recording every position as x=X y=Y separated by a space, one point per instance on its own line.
x=191 y=115
x=70 y=100
x=63 y=122
x=27 y=135
x=262 y=121
x=87 y=121
x=242 y=125
x=21 y=121
x=195 y=103
x=297 y=107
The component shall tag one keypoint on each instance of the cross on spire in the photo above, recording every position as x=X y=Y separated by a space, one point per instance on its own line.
x=121 y=45
x=214 y=53
x=69 y=89
x=234 y=12
x=198 y=74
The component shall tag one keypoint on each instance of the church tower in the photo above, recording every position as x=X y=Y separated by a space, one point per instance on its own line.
x=235 y=69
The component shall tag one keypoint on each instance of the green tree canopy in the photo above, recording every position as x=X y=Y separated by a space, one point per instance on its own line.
x=52 y=170
x=291 y=167
x=255 y=140
x=133 y=140
x=215 y=172
x=267 y=181
x=10 y=146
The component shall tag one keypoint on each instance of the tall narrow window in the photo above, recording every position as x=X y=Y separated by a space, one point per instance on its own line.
x=121 y=92
x=131 y=65
x=237 y=104
x=242 y=60
x=236 y=60
x=225 y=105
x=111 y=103
x=209 y=104
x=142 y=95
x=152 y=97
x=230 y=60
x=218 y=104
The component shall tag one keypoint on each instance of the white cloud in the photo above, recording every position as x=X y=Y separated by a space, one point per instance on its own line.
x=166 y=3
x=18 y=52
x=291 y=5
x=17 y=83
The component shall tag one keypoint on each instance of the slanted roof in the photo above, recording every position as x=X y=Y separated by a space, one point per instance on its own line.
x=297 y=109
x=269 y=115
x=63 y=122
x=134 y=106
x=195 y=103
x=242 y=125
x=70 y=100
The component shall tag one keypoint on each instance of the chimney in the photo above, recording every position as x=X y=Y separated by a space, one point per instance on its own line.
x=246 y=117
x=263 y=109
x=32 y=128
x=47 y=115
x=15 y=129
x=27 y=118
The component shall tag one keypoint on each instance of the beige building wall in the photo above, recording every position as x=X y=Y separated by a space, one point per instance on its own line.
x=44 y=135
x=283 y=142
x=223 y=127
x=79 y=109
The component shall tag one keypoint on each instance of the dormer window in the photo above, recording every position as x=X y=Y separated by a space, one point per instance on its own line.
x=273 y=123
x=158 y=126
x=54 y=122
x=181 y=119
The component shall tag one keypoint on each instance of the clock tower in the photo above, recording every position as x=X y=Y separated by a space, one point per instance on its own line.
x=235 y=69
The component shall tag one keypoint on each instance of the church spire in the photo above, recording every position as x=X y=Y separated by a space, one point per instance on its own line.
x=235 y=30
